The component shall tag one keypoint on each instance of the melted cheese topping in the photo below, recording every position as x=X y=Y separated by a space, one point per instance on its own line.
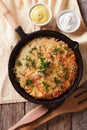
x=46 y=68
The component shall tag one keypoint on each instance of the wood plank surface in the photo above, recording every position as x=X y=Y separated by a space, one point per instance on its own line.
x=79 y=120
x=60 y=123
x=11 y=113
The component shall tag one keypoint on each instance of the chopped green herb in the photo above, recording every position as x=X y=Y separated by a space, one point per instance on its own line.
x=28 y=82
x=19 y=72
x=43 y=66
x=42 y=60
x=38 y=54
x=66 y=48
x=47 y=64
x=18 y=63
x=64 y=69
x=73 y=68
x=46 y=86
x=27 y=58
x=65 y=77
x=27 y=64
x=17 y=79
x=34 y=48
x=58 y=74
x=56 y=81
x=57 y=50
x=43 y=72
x=68 y=55
x=54 y=86
x=33 y=63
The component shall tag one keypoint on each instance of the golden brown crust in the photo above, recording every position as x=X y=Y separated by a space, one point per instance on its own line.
x=46 y=68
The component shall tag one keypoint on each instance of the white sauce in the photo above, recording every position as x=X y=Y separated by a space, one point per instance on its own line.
x=68 y=21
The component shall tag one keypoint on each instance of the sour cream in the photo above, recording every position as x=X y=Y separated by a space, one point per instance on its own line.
x=68 y=21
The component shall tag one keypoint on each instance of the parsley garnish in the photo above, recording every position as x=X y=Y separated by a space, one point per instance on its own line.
x=43 y=65
x=32 y=49
x=57 y=81
x=65 y=77
x=17 y=79
x=57 y=50
x=28 y=82
x=27 y=58
x=64 y=69
x=73 y=68
x=18 y=63
x=46 y=86
x=33 y=63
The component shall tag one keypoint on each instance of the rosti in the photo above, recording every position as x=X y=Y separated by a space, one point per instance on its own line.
x=46 y=67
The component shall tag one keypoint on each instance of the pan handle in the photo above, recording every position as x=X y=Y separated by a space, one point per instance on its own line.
x=8 y=15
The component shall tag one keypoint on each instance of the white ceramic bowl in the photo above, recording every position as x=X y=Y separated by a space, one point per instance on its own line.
x=50 y=14
x=68 y=21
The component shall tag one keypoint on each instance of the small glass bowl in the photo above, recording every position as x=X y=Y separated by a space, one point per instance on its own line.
x=50 y=15
x=68 y=24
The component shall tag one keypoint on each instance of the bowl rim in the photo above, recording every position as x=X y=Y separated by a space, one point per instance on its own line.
x=50 y=12
x=73 y=12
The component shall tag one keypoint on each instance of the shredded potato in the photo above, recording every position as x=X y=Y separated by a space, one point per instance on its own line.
x=46 y=67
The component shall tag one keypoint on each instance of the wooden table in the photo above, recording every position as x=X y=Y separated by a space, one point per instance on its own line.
x=11 y=113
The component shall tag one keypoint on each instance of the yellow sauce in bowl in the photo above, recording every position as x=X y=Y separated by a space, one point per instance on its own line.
x=40 y=14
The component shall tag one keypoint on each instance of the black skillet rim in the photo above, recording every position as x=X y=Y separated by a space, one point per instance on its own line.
x=29 y=37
